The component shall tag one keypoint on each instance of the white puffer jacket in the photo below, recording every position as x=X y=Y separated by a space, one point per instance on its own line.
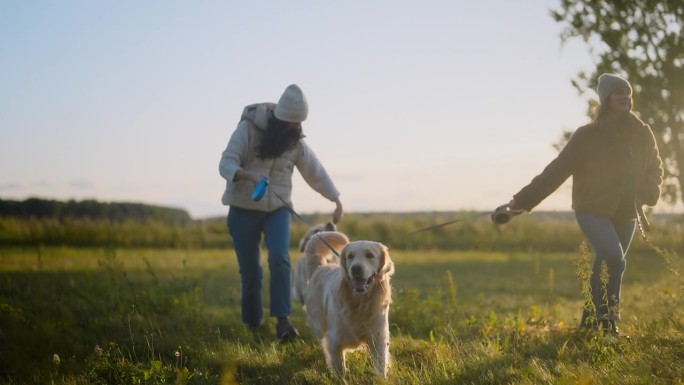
x=241 y=153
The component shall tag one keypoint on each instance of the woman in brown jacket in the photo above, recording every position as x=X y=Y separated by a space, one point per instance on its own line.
x=616 y=169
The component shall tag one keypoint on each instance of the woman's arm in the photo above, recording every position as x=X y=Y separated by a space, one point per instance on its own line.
x=555 y=173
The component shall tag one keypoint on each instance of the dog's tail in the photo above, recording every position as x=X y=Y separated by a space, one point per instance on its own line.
x=318 y=253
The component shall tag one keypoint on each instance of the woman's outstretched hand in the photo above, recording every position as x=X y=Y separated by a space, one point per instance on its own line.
x=339 y=211
x=513 y=206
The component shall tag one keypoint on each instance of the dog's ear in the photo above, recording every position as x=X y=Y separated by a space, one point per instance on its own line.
x=310 y=233
x=330 y=227
x=304 y=241
x=386 y=264
x=343 y=262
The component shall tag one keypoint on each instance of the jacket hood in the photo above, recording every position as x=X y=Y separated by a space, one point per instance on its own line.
x=258 y=114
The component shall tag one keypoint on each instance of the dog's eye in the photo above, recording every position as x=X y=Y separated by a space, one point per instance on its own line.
x=370 y=255
x=350 y=256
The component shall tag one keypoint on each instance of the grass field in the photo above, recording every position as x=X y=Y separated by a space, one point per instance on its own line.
x=108 y=316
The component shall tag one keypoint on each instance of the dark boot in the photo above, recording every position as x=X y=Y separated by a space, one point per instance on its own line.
x=285 y=331
x=610 y=327
x=614 y=327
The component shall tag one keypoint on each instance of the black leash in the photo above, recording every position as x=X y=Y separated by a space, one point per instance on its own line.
x=428 y=228
x=500 y=215
x=420 y=230
x=304 y=222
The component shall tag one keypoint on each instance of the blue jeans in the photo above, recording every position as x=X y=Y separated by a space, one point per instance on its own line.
x=609 y=240
x=246 y=227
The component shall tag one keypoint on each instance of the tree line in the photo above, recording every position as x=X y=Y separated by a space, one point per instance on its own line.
x=539 y=231
x=92 y=210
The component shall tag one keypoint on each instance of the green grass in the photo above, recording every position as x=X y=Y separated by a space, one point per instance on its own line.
x=172 y=316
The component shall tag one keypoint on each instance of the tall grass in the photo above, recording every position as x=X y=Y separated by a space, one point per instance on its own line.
x=172 y=316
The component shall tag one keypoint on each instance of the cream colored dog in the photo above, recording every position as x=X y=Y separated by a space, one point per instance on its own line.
x=315 y=254
x=348 y=304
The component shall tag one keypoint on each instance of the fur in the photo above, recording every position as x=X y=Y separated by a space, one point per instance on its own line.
x=347 y=305
x=315 y=253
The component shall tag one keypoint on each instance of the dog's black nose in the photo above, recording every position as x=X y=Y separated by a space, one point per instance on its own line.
x=356 y=270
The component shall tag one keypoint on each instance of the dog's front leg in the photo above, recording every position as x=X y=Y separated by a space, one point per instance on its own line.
x=379 y=349
x=335 y=354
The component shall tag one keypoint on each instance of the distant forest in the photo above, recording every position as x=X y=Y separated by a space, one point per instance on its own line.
x=89 y=223
x=37 y=223
x=93 y=210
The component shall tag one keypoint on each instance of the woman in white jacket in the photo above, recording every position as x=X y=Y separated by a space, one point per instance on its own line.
x=268 y=142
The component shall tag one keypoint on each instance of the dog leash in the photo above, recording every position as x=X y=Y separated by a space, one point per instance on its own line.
x=304 y=222
x=420 y=230
x=436 y=226
x=259 y=192
x=500 y=215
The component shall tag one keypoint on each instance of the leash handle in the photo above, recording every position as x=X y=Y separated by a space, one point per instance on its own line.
x=503 y=214
x=260 y=189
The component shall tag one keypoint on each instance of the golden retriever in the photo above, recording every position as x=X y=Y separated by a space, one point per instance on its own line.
x=315 y=254
x=348 y=304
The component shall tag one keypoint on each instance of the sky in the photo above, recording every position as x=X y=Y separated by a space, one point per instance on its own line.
x=413 y=106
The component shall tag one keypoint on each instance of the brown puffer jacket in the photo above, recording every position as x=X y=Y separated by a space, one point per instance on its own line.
x=612 y=168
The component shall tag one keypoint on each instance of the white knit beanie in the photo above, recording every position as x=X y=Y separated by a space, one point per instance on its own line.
x=607 y=83
x=292 y=106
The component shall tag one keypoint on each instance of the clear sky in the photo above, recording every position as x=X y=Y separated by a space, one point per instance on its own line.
x=430 y=105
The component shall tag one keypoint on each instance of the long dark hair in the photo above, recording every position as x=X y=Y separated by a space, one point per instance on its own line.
x=602 y=111
x=279 y=137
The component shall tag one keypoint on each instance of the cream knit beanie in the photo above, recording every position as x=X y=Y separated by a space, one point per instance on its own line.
x=607 y=83
x=292 y=106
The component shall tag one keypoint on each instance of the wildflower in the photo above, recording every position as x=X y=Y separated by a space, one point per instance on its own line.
x=177 y=354
x=55 y=359
x=98 y=350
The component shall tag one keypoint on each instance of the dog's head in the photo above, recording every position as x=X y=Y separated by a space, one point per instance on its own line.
x=313 y=231
x=364 y=263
